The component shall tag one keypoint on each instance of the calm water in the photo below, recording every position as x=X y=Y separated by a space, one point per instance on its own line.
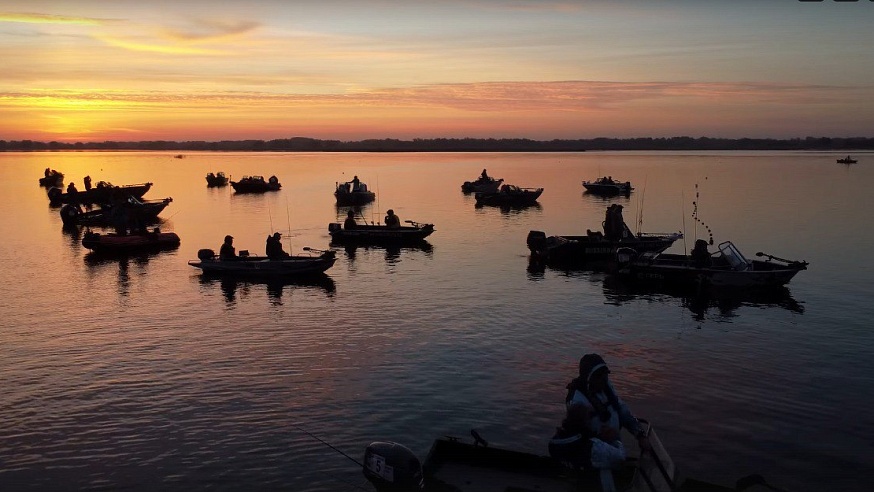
x=140 y=374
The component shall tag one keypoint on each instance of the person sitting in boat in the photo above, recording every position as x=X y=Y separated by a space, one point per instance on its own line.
x=392 y=220
x=274 y=247
x=700 y=255
x=350 y=223
x=593 y=390
x=227 y=251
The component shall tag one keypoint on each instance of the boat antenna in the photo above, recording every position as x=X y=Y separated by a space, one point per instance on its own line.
x=640 y=208
x=378 y=209
x=697 y=219
x=683 y=210
x=270 y=215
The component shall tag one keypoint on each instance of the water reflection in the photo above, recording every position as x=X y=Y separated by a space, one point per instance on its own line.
x=510 y=209
x=392 y=251
x=231 y=285
x=100 y=262
x=725 y=303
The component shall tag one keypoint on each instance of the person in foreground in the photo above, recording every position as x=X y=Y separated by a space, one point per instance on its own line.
x=392 y=220
x=589 y=434
x=274 y=247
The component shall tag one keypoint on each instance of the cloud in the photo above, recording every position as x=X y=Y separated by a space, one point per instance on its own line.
x=208 y=31
x=32 y=18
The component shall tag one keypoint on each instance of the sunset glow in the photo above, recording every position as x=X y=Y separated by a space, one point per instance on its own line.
x=199 y=70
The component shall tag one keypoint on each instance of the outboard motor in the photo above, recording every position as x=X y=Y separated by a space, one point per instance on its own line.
x=391 y=467
x=334 y=226
x=205 y=254
x=69 y=214
x=536 y=242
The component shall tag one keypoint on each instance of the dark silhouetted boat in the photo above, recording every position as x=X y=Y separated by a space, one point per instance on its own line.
x=380 y=234
x=458 y=466
x=509 y=195
x=847 y=160
x=262 y=266
x=607 y=186
x=139 y=241
x=726 y=268
x=143 y=210
x=596 y=245
x=348 y=195
x=52 y=178
x=487 y=185
x=103 y=193
x=216 y=179
x=256 y=184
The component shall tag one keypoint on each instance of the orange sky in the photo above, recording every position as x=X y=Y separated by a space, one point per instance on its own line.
x=198 y=70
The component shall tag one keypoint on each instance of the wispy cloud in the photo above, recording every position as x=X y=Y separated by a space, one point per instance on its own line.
x=34 y=18
x=212 y=30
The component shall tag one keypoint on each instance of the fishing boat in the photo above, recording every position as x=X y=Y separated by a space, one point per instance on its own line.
x=103 y=193
x=256 y=184
x=453 y=464
x=606 y=185
x=847 y=160
x=482 y=185
x=379 y=234
x=262 y=266
x=216 y=179
x=353 y=193
x=725 y=268
x=596 y=245
x=509 y=195
x=52 y=178
x=131 y=209
x=123 y=243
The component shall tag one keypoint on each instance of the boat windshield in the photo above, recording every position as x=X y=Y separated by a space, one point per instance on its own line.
x=733 y=256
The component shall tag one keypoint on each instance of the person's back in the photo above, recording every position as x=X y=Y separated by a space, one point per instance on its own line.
x=350 y=223
x=227 y=251
x=392 y=220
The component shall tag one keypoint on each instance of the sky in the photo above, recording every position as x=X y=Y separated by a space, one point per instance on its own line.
x=96 y=70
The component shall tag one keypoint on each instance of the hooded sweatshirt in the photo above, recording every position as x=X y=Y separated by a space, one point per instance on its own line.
x=605 y=406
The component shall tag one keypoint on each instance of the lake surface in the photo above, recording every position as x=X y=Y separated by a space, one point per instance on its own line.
x=140 y=374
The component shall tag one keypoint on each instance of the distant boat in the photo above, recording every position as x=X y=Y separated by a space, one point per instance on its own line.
x=146 y=211
x=256 y=184
x=143 y=241
x=380 y=234
x=52 y=178
x=608 y=186
x=480 y=185
x=847 y=160
x=262 y=266
x=104 y=192
x=510 y=195
x=216 y=179
x=348 y=194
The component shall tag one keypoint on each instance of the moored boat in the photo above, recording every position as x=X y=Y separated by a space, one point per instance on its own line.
x=256 y=184
x=122 y=243
x=262 y=266
x=103 y=193
x=379 y=234
x=606 y=185
x=132 y=210
x=216 y=179
x=595 y=245
x=455 y=465
x=509 y=195
x=726 y=268
x=353 y=193
x=847 y=160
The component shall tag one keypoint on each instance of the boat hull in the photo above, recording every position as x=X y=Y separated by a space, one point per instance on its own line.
x=354 y=198
x=678 y=271
x=114 y=243
x=509 y=199
x=375 y=234
x=572 y=250
x=261 y=266
x=609 y=190
x=480 y=186
x=147 y=213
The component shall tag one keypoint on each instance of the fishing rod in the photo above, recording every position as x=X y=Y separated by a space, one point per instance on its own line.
x=326 y=444
x=288 y=218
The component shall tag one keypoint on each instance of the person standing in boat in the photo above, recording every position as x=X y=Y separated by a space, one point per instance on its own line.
x=87 y=183
x=274 y=247
x=484 y=176
x=227 y=251
x=589 y=435
x=73 y=196
x=350 y=222
x=392 y=220
x=356 y=183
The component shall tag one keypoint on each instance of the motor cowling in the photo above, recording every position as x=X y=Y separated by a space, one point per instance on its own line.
x=536 y=241
x=69 y=214
x=205 y=254
x=334 y=226
x=392 y=467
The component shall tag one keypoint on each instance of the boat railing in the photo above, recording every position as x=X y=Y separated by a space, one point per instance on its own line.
x=656 y=471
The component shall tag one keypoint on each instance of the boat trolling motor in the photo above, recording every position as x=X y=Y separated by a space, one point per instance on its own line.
x=392 y=467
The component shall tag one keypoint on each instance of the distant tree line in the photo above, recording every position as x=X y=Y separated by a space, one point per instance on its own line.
x=302 y=144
